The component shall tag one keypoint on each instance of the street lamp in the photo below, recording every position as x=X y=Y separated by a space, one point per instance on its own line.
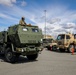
x=45 y=23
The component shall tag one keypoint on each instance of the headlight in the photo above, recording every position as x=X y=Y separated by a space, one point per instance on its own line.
x=41 y=40
x=22 y=50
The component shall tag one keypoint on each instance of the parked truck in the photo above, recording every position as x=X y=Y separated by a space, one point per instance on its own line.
x=21 y=40
x=50 y=44
x=66 y=42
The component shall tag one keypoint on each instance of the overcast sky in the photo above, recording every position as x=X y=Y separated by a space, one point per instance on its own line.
x=60 y=14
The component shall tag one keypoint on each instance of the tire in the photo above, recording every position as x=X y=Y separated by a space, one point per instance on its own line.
x=75 y=48
x=10 y=56
x=62 y=50
x=54 y=48
x=70 y=48
x=48 y=47
x=32 y=57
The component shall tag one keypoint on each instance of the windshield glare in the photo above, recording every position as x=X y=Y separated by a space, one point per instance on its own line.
x=60 y=37
x=35 y=30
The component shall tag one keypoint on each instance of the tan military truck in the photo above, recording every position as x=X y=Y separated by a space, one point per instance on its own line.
x=53 y=45
x=66 y=42
x=49 y=43
x=46 y=40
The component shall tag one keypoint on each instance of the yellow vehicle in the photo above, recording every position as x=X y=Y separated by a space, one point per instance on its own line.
x=47 y=42
x=66 y=42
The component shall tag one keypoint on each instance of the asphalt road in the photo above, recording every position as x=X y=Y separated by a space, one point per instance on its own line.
x=48 y=63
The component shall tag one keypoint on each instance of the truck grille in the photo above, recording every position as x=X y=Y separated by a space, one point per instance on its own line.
x=59 y=43
x=31 y=41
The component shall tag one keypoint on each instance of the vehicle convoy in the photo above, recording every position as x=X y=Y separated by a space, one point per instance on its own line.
x=66 y=42
x=21 y=40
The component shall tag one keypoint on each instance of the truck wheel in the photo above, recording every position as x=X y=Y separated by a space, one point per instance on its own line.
x=32 y=57
x=62 y=50
x=70 y=48
x=10 y=56
x=75 y=48
x=48 y=47
x=54 y=48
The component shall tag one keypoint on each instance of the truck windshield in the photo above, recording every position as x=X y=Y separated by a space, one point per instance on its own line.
x=67 y=37
x=35 y=30
x=60 y=37
x=74 y=36
x=25 y=29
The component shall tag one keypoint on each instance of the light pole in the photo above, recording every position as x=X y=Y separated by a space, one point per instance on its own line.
x=45 y=23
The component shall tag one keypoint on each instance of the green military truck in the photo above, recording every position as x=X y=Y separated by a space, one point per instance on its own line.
x=21 y=40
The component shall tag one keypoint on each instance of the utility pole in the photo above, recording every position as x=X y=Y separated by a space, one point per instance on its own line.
x=45 y=23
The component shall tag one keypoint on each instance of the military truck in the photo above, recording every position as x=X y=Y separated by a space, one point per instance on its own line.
x=66 y=42
x=53 y=45
x=50 y=44
x=46 y=42
x=20 y=40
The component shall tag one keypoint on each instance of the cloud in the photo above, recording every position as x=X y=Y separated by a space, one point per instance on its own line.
x=49 y=28
x=5 y=16
x=6 y=21
x=55 y=20
x=60 y=30
x=23 y=3
x=69 y=25
x=7 y=2
x=59 y=18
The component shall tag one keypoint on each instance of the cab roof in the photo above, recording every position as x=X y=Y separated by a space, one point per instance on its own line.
x=29 y=25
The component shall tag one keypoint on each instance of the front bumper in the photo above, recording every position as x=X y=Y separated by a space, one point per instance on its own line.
x=28 y=50
x=62 y=47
